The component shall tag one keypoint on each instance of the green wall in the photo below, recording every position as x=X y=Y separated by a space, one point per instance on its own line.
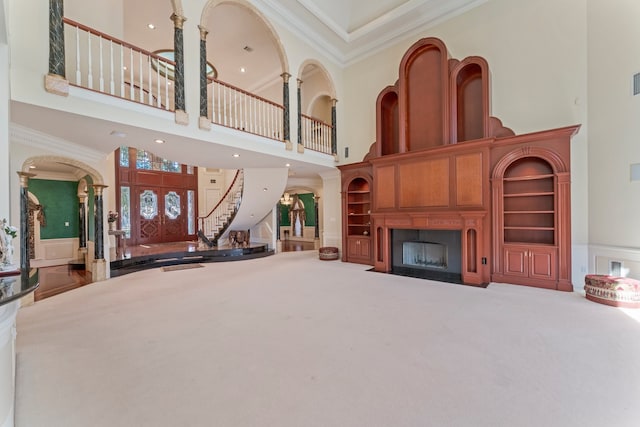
x=60 y=202
x=309 y=210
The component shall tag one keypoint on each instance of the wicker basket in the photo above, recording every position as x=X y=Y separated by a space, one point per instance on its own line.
x=328 y=253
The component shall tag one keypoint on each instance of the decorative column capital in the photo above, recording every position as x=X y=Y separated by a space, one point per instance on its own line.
x=299 y=83
x=285 y=77
x=316 y=198
x=98 y=188
x=333 y=102
x=178 y=21
x=24 y=178
x=203 y=32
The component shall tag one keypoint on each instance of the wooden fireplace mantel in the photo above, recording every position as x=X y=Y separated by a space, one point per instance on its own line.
x=441 y=162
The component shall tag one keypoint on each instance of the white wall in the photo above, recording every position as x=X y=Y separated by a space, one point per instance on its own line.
x=614 y=131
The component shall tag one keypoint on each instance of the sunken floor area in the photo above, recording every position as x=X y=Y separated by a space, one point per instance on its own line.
x=290 y=340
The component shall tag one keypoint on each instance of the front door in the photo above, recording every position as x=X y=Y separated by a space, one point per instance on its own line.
x=161 y=214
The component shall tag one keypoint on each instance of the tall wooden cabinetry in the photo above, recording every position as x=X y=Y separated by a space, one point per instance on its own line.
x=356 y=223
x=529 y=219
x=532 y=222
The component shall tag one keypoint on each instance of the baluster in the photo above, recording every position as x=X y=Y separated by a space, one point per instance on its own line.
x=149 y=83
x=78 y=74
x=141 y=83
x=122 y=72
x=235 y=108
x=158 y=98
x=90 y=74
x=132 y=94
x=225 y=105
x=101 y=65
x=166 y=87
x=112 y=83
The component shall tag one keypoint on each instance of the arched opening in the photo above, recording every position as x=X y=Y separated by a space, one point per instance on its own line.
x=316 y=97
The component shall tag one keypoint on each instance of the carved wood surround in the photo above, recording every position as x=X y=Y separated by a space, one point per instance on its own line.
x=441 y=162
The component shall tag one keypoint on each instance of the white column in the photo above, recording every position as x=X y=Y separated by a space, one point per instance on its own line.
x=331 y=209
x=7 y=361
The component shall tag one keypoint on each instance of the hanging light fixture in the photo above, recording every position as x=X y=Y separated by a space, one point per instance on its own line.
x=285 y=199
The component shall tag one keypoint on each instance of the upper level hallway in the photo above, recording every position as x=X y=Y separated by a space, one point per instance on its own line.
x=211 y=78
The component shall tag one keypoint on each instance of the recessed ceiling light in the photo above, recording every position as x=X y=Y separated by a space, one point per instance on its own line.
x=118 y=133
x=287 y=165
x=32 y=166
x=242 y=69
x=265 y=189
x=236 y=155
x=124 y=68
x=159 y=141
x=151 y=26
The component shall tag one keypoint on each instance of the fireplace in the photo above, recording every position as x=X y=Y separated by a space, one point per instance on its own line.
x=428 y=254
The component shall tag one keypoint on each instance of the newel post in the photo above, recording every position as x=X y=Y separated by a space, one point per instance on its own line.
x=204 y=122
x=334 y=133
x=300 y=142
x=178 y=47
x=55 y=81
x=286 y=129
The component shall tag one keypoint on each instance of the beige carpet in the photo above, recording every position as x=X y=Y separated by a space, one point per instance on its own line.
x=290 y=340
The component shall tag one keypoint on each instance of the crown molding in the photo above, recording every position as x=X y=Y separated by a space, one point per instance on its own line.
x=50 y=144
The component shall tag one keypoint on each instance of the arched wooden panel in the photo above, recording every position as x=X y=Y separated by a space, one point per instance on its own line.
x=470 y=100
x=424 y=94
x=388 y=126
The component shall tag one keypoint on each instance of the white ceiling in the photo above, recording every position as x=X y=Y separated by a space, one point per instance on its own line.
x=348 y=30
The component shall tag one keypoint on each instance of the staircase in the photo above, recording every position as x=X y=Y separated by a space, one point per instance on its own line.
x=218 y=220
x=250 y=199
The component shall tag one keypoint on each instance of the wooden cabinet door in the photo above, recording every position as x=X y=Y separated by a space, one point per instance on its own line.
x=536 y=262
x=542 y=263
x=359 y=250
x=515 y=261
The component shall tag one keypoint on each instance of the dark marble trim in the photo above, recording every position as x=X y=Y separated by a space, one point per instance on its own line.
x=15 y=285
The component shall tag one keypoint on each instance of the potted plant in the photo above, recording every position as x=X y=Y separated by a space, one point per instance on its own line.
x=111 y=219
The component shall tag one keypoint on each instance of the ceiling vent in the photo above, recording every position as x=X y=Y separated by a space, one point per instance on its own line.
x=248 y=49
x=636 y=84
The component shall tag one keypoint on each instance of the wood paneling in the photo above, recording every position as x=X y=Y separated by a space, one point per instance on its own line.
x=424 y=184
x=469 y=180
x=385 y=187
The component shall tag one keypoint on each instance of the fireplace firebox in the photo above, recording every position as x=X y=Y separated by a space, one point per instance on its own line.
x=430 y=254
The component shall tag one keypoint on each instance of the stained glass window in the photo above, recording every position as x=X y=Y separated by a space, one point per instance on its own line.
x=143 y=160
x=125 y=210
x=124 y=157
x=191 y=212
x=148 y=204
x=172 y=205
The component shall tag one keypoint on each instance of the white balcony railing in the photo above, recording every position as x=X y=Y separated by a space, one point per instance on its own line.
x=316 y=134
x=238 y=109
x=99 y=62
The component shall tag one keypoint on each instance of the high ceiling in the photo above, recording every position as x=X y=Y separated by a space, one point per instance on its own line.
x=351 y=29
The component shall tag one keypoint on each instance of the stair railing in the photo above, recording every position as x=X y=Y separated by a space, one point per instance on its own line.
x=219 y=218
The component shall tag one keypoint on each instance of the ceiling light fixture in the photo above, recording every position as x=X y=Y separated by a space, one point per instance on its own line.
x=32 y=166
x=288 y=165
x=247 y=49
x=159 y=141
x=118 y=133
x=242 y=69
x=151 y=26
x=236 y=155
